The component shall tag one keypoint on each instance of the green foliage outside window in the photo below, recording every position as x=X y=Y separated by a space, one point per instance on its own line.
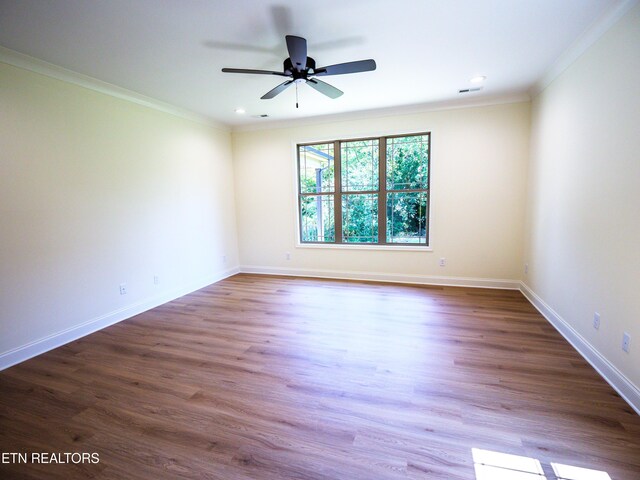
x=405 y=191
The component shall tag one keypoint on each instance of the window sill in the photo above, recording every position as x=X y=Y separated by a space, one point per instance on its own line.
x=344 y=246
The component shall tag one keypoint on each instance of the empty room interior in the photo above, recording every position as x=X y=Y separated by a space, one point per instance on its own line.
x=320 y=240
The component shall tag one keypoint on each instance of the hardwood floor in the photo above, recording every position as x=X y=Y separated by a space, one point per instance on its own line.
x=261 y=377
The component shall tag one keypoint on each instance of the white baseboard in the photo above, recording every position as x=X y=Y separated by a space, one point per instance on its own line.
x=627 y=390
x=42 y=345
x=385 y=277
x=613 y=376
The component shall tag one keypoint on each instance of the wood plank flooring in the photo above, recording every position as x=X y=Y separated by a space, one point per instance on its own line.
x=260 y=377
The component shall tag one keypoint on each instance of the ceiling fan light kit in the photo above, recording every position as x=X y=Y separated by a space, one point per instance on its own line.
x=300 y=68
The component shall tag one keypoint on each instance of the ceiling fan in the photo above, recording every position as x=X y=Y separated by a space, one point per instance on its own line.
x=300 y=68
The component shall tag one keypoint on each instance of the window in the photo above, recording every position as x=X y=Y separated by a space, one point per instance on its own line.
x=366 y=191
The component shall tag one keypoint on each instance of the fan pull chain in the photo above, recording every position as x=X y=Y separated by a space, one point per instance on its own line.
x=296 y=94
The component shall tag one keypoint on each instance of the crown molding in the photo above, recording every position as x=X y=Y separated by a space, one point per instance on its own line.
x=582 y=44
x=485 y=101
x=26 y=62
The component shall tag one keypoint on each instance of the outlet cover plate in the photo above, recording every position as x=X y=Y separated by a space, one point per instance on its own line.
x=626 y=340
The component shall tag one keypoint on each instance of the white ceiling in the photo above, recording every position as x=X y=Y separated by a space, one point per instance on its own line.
x=426 y=50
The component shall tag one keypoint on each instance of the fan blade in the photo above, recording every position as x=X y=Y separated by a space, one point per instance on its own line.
x=279 y=89
x=297 y=47
x=260 y=72
x=324 y=88
x=349 y=67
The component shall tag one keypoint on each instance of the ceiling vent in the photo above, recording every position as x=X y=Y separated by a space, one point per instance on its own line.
x=469 y=90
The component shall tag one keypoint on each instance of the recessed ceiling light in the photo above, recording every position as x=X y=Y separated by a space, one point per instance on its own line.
x=478 y=79
x=240 y=111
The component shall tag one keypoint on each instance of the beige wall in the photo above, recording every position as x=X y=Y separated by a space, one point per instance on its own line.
x=479 y=162
x=583 y=223
x=96 y=191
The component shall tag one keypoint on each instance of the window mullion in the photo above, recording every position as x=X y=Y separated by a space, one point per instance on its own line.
x=382 y=188
x=299 y=194
x=337 y=189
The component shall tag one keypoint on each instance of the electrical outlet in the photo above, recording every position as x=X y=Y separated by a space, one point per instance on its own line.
x=626 y=339
x=287 y=255
x=123 y=289
x=224 y=259
x=442 y=262
x=156 y=280
x=526 y=268
x=596 y=321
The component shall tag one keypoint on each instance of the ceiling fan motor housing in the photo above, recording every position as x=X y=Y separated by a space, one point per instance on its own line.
x=299 y=74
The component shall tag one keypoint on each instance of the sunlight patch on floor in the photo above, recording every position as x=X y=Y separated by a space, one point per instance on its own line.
x=496 y=465
x=568 y=472
x=490 y=465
